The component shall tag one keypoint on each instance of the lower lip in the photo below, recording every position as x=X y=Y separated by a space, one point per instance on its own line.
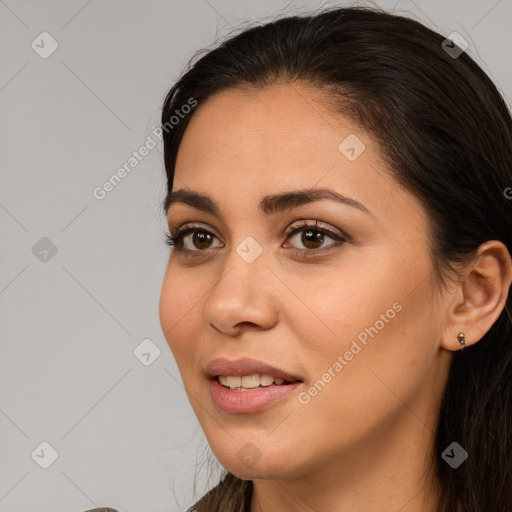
x=252 y=400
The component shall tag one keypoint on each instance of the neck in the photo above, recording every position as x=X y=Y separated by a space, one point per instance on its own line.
x=391 y=471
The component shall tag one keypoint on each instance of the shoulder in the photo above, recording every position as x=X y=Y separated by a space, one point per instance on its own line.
x=102 y=509
x=231 y=495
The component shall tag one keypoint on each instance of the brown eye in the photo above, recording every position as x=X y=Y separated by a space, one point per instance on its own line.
x=312 y=237
x=201 y=239
x=194 y=240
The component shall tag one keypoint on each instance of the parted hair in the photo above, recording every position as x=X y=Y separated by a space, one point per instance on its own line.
x=445 y=132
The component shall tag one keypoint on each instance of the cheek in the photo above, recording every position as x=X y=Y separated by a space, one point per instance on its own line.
x=365 y=337
x=342 y=306
x=179 y=306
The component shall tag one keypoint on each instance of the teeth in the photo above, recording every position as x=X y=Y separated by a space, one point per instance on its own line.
x=266 y=380
x=233 y=382
x=249 y=381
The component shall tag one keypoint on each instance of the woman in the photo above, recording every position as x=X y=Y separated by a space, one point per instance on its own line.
x=336 y=297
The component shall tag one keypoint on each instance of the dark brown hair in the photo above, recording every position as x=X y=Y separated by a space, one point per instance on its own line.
x=445 y=133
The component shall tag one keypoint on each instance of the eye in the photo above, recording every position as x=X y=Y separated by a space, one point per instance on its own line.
x=201 y=238
x=190 y=239
x=312 y=237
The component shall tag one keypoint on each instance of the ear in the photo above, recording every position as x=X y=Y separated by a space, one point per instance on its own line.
x=480 y=297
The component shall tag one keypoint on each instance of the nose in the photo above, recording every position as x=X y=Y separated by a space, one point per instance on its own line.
x=244 y=296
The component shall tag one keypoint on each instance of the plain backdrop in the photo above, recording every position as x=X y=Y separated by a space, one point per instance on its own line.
x=80 y=277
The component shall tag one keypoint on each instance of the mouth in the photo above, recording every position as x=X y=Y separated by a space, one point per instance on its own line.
x=252 y=381
x=247 y=373
x=247 y=385
x=242 y=400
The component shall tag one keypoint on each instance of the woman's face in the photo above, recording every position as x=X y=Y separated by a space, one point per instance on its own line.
x=356 y=322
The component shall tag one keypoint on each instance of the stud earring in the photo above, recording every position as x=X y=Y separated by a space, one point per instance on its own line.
x=462 y=340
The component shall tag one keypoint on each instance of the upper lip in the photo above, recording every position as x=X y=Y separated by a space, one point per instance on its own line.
x=246 y=366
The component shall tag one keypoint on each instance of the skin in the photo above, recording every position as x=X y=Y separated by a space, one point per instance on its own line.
x=363 y=443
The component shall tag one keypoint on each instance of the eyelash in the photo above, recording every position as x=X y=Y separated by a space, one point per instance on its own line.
x=176 y=240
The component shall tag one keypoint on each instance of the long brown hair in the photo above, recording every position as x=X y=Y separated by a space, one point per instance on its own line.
x=446 y=134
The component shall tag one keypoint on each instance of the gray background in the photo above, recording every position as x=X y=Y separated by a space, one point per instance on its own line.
x=125 y=434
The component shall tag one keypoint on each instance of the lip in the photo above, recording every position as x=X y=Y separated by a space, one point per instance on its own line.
x=246 y=366
x=252 y=400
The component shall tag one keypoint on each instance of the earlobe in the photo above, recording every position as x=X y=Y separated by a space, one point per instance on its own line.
x=480 y=298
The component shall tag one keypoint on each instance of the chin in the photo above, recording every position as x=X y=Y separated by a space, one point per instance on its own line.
x=250 y=467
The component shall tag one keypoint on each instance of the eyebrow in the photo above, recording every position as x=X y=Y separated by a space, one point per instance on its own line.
x=268 y=205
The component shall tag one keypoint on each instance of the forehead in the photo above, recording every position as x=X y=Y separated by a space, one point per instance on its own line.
x=278 y=116
x=283 y=130
x=243 y=145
